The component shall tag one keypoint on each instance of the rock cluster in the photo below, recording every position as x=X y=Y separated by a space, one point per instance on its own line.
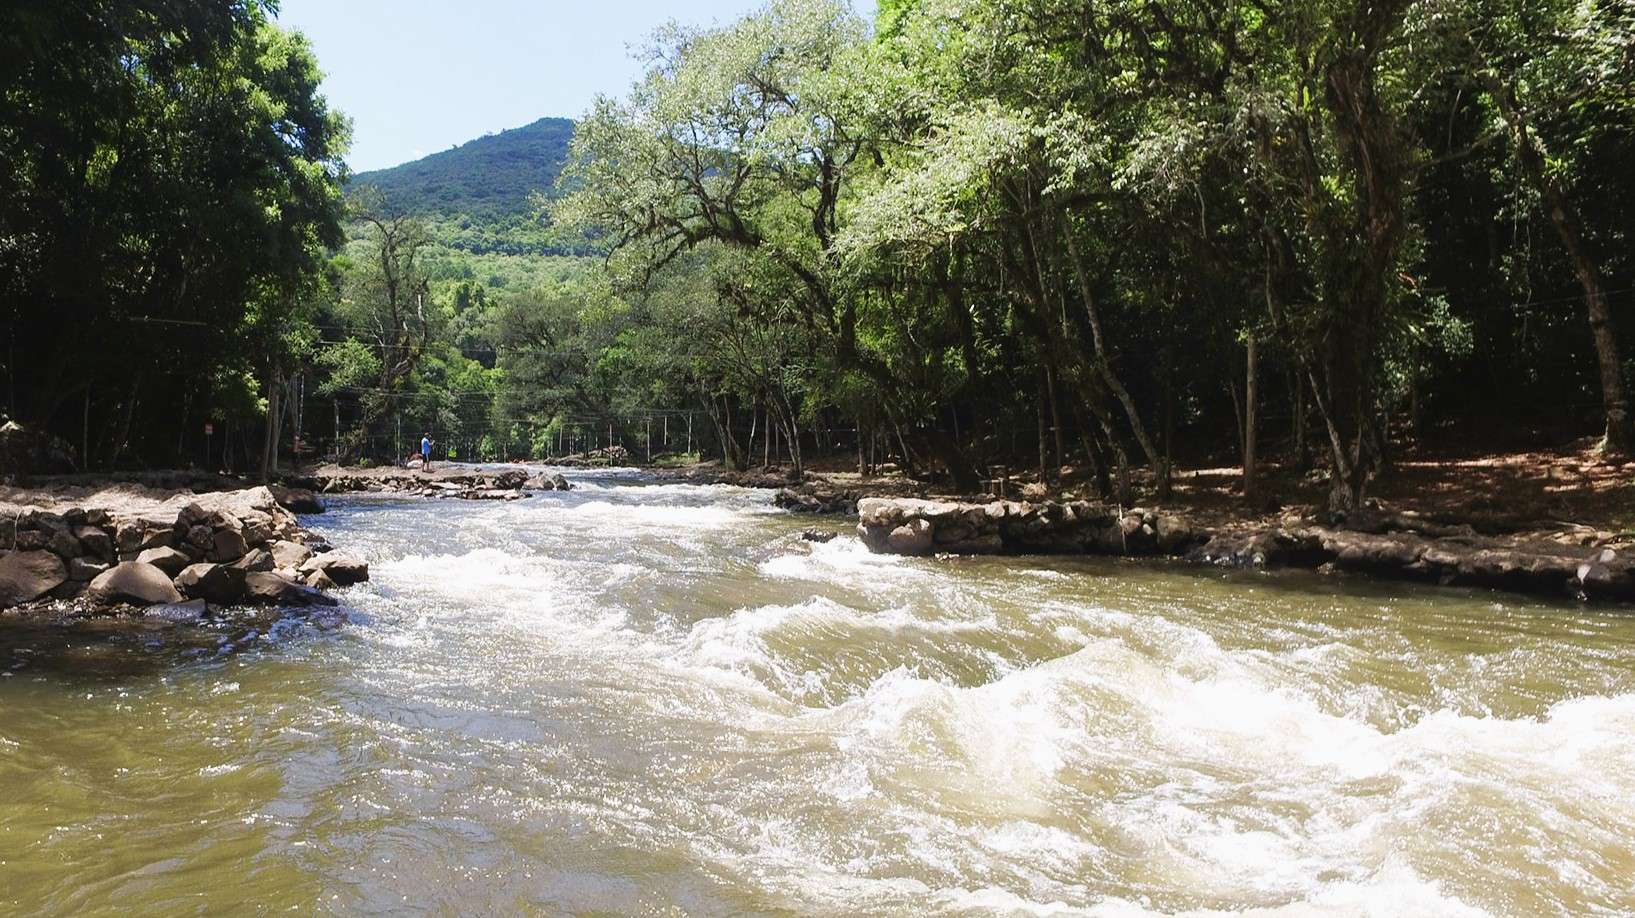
x=505 y=484
x=1390 y=546
x=809 y=499
x=911 y=526
x=230 y=548
x=609 y=455
x=1458 y=558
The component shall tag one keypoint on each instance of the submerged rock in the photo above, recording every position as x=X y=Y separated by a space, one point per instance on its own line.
x=178 y=612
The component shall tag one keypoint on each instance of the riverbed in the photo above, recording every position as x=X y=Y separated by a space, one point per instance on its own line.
x=649 y=697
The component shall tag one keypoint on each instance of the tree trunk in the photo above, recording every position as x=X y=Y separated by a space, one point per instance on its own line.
x=269 y=447
x=1620 y=430
x=1160 y=466
x=1055 y=424
x=1250 y=397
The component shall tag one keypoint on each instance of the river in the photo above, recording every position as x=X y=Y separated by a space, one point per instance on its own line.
x=643 y=697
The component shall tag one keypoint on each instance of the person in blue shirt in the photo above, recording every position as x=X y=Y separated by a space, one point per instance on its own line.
x=425 y=450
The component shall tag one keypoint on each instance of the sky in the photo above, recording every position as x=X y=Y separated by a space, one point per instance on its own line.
x=419 y=76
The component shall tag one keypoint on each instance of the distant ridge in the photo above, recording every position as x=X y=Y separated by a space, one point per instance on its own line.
x=489 y=178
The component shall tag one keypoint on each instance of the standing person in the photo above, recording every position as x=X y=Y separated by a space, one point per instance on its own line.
x=425 y=451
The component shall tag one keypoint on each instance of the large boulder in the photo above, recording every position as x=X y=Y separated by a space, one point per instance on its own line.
x=561 y=483
x=343 y=568
x=27 y=575
x=136 y=582
x=167 y=559
x=217 y=583
x=271 y=589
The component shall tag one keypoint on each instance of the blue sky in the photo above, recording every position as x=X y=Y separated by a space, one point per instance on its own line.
x=418 y=76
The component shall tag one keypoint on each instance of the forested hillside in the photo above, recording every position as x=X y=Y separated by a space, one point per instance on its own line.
x=479 y=196
x=489 y=178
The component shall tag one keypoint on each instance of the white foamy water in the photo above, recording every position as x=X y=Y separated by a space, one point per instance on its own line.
x=638 y=697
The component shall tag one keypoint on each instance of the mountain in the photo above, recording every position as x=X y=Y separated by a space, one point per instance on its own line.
x=489 y=179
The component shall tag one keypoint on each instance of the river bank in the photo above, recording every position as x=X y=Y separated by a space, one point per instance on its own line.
x=168 y=555
x=1553 y=525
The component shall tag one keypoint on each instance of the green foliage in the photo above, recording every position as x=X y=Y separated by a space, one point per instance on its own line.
x=169 y=180
x=480 y=183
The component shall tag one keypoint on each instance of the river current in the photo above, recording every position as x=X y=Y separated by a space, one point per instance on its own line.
x=655 y=698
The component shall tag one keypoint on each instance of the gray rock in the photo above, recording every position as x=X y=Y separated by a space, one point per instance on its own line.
x=510 y=479
x=27 y=575
x=914 y=537
x=258 y=559
x=289 y=554
x=217 y=583
x=343 y=568
x=271 y=589
x=319 y=580
x=95 y=541
x=296 y=500
x=128 y=537
x=65 y=545
x=201 y=537
x=84 y=570
x=228 y=545
x=561 y=483
x=167 y=559
x=31 y=540
x=42 y=521
x=134 y=582
x=258 y=528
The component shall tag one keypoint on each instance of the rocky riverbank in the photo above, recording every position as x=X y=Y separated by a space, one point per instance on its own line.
x=451 y=481
x=174 y=558
x=1393 y=546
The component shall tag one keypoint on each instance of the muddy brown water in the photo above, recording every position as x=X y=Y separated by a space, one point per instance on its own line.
x=642 y=697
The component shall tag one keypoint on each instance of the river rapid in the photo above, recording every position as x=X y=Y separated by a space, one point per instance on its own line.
x=644 y=697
